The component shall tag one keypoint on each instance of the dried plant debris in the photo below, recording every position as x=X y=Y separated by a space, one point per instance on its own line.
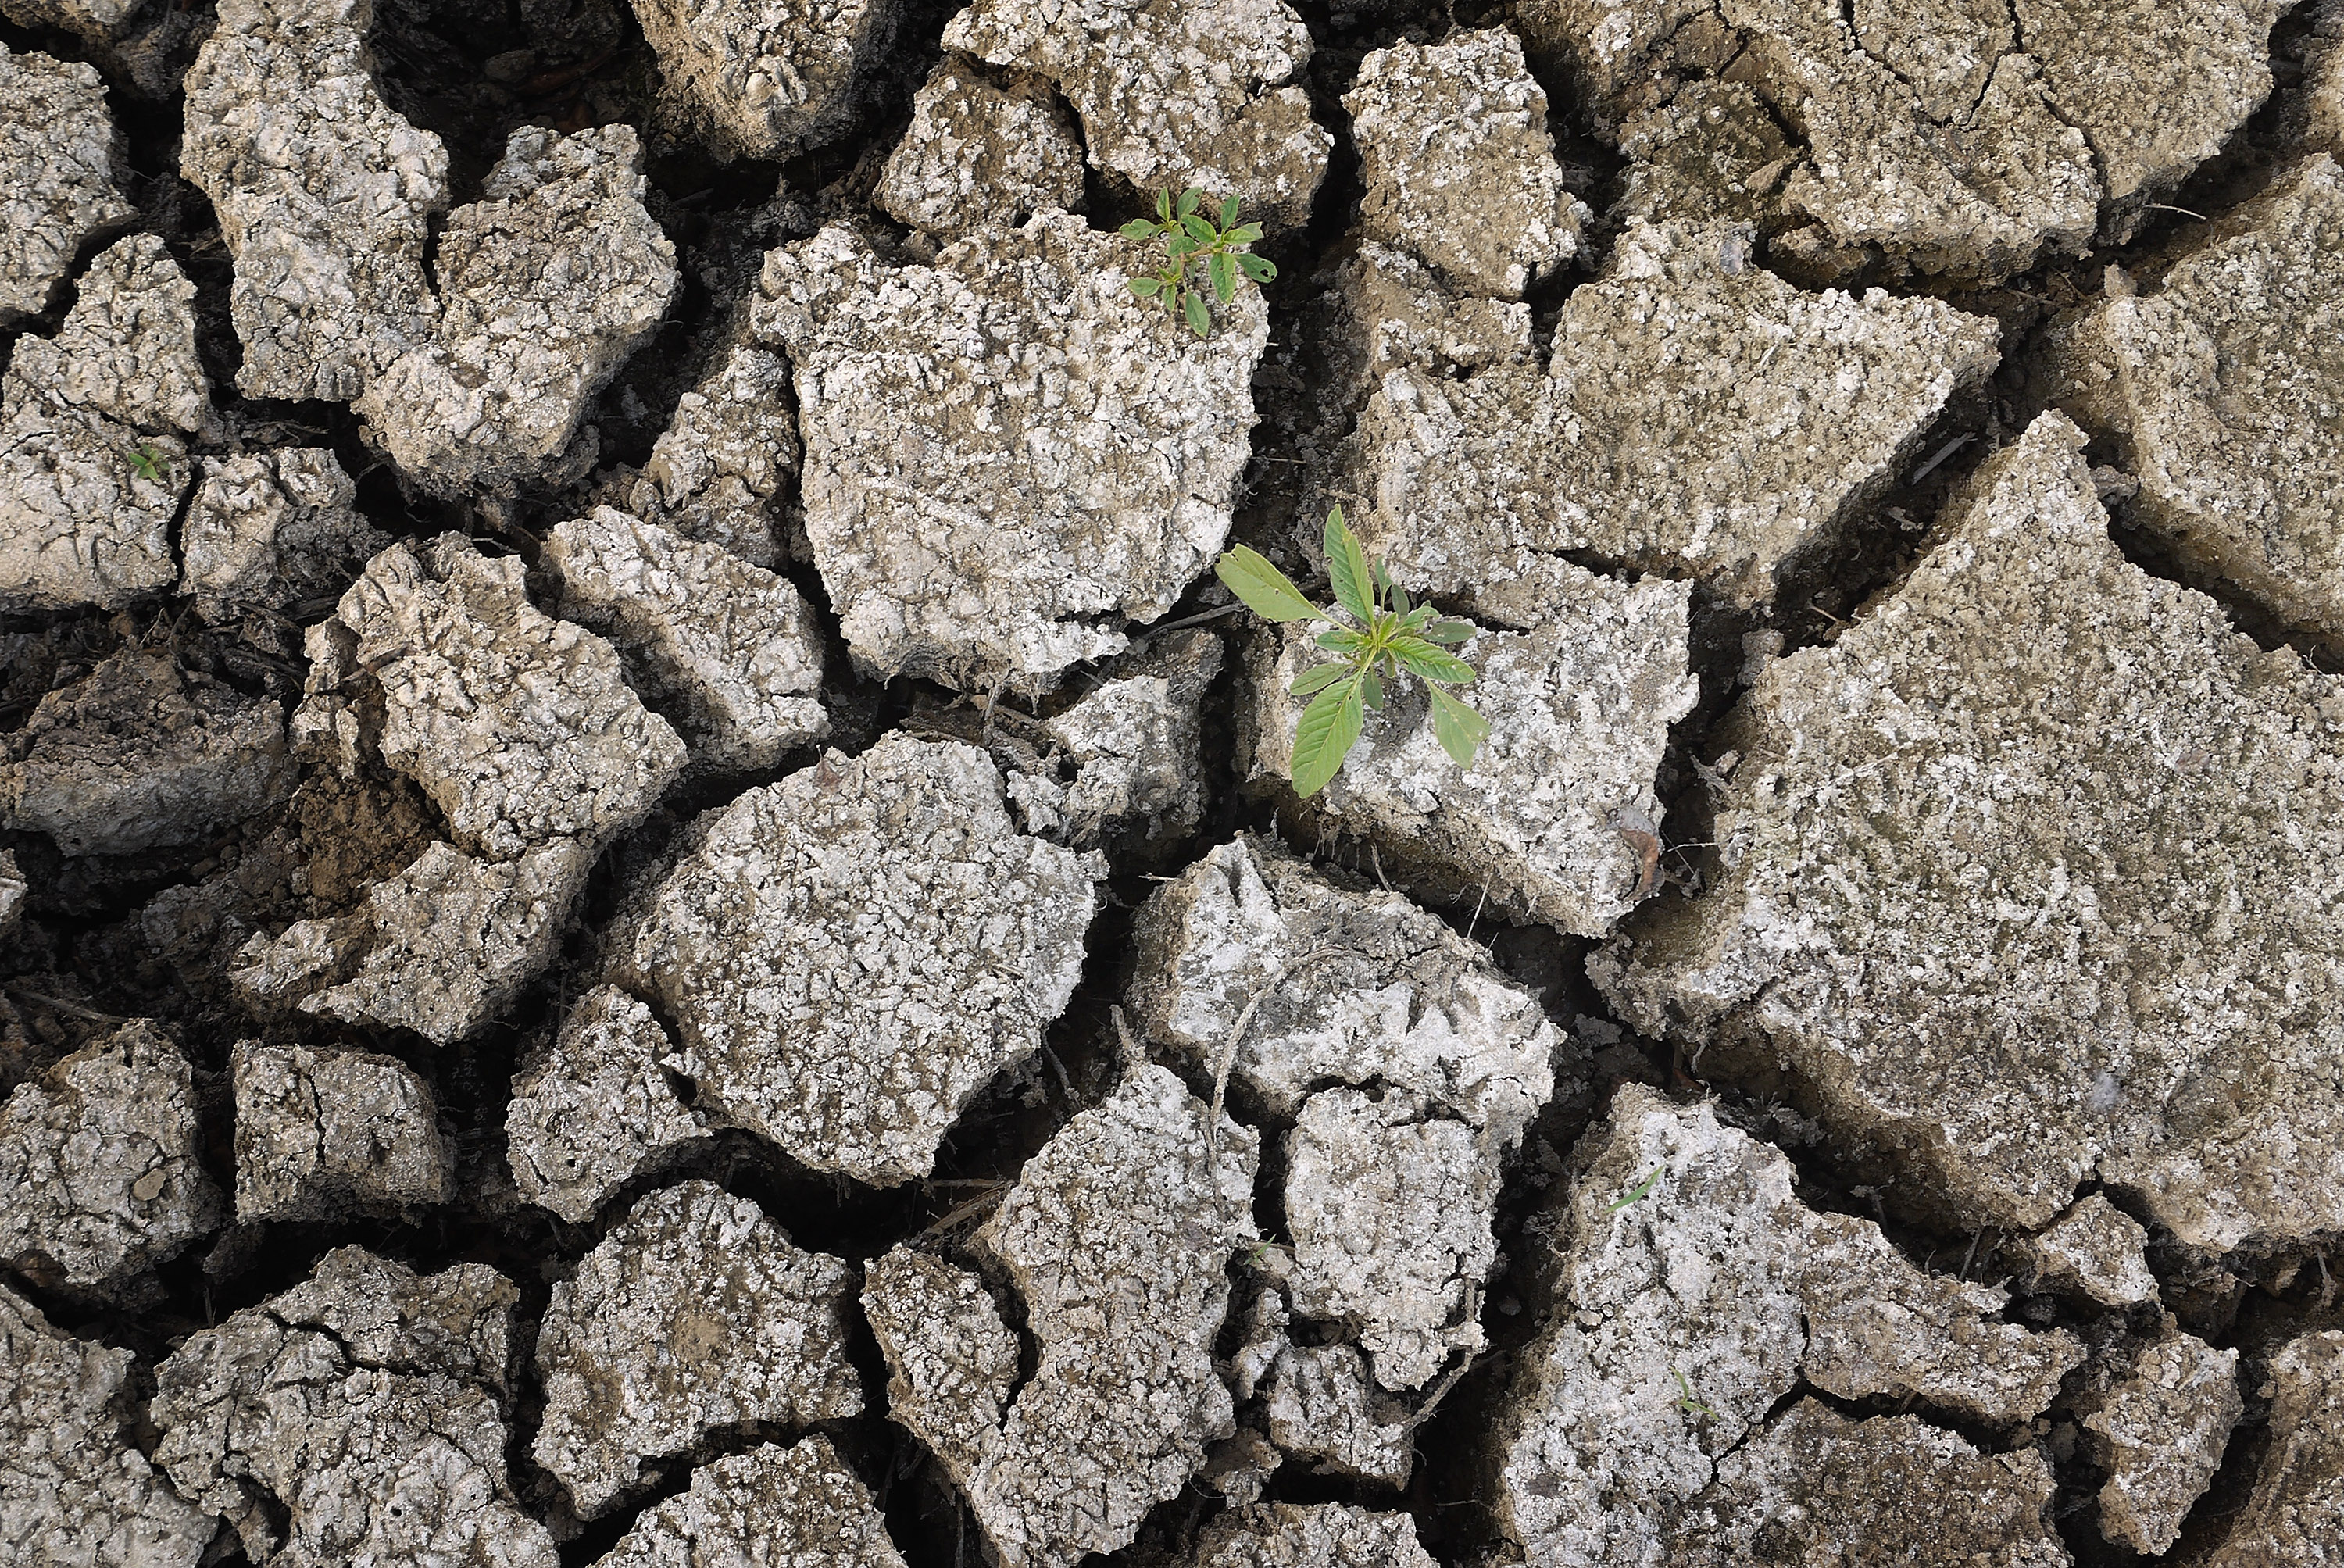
x=139 y=755
x=695 y=1313
x=1205 y=94
x=2027 y=804
x=269 y=532
x=2295 y=1514
x=323 y=193
x=730 y=650
x=1311 y=1535
x=94 y=424
x=852 y=954
x=322 y=1132
x=1024 y=507
x=75 y=1489
x=58 y=154
x=597 y=1107
x=100 y=1171
x=1118 y=1236
x=1642 y=1424
x=2220 y=401
x=1459 y=165
x=360 y=1417
x=720 y=469
x=799 y=1505
x=984 y=147
x=765 y=78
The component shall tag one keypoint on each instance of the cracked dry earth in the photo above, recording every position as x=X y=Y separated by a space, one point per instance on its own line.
x=647 y=911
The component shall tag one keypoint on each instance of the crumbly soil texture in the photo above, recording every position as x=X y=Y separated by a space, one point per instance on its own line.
x=650 y=912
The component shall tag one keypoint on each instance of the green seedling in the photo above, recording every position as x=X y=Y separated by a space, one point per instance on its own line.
x=1192 y=239
x=1685 y=1401
x=1386 y=636
x=1633 y=1193
x=151 y=464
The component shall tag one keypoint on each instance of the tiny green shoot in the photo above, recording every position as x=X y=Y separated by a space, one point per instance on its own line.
x=1192 y=239
x=151 y=465
x=1685 y=1401
x=1386 y=636
x=1635 y=1192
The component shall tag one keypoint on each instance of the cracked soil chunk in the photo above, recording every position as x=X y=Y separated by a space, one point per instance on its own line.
x=1458 y=162
x=360 y=1417
x=323 y=193
x=852 y=954
x=1318 y=1405
x=1700 y=417
x=57 y=155
x=2097 y=1249
x=596 y=1108
x=93 y=459
x=322 y=1132
x=1132 y=746
x=74 y=1490
x=1685 y=1269
x=1975 y=883
x=2296 y=1515
x=100 y=1175
x=765 y=78
x=137 y=755
x=799 y=1506
x=720 y=470
x=1579 y=713
x=730 y=650
x=268 y=529
x=1310 y=1535
x=1206 y=93
x=1118 y=1236
x=984 y=147
x=1059 y=456
x=2223 y=391
x=695 y=1313
x=546 y=286
x=2161 y=1432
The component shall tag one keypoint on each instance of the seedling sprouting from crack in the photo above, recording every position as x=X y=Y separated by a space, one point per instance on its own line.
x=1388 y=636
x=151 y=465
x=1633 y=1193
x=1685 y=1401
x=1192 y=239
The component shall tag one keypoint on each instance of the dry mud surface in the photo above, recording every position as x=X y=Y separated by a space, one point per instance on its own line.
x=649 y=915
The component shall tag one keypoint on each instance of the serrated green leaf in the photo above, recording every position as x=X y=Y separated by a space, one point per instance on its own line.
x=1223 y=271
x=1329 y=727
x=1246 y=235
x=1145 y=288
x=1317 y=679
x=1262 y=587
x=1228 y=211
x=1255 y=268
x=1346 y=566
x=1372 y=686
x=1459 y=730
x=1164 y=203
x=1414 y=620
x=1342 y=639
x=1189 y=198
x=1137 y=229
x=1200 y=321
x=1422 y=658
x=1203 y=233
x=1450 y=631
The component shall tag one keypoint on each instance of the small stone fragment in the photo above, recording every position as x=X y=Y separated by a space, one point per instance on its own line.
x=695 y=1313
x=1459 y=165
x=320 y=1133
x=719 y=472
x=597 y=1108
x=984 y=147
x=360 y=1417
x=2029 y=808
x=2161 y=1433
x=323 y=194
x=137 y=755
x=767 y=78
x=1206 y=93
x=2296 y=1515
x=2236 y=434
x=799 y=1506
x=74 y=1490
x=728 y=649
x=547 y=285
x=1700 y=417
x=1118 y=1236
x=100 y=1168
x=2097 y=1249
x=1011 y=522
x=58 y=149
x=14 y=889
x=93 y=462
x=1132 y=746
x=268 y=529
x=852 y=1040
x=1310 y=1535
x=1320 y=1406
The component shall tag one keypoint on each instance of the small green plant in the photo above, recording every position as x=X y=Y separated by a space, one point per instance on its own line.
x=1192 y=239
x=151 y=464
x=1633 y=1193
x=1685 y=1401
x=1388 y=635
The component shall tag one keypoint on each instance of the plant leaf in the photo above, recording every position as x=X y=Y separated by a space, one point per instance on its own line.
x=1145 y=288
x=1402 y=603
x=1329 y=727
x=1372 y=684
x=1450 y=631
x=1137 y=229
x=1200 y=321
x=1317 y=679
x=1224 y=274
x=1341 y=640
x=1459 y=730
x=1203 y=233
x=1246 y=235
x=1347 y=566
x=1188 y=200
x=1228 y=212
x=1255 y=268
x=1264 y=588
x=1164 y=203
x=1433 y=663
